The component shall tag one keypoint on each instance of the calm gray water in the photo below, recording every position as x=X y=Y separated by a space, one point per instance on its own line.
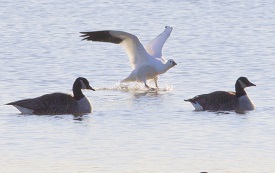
x=134 y=131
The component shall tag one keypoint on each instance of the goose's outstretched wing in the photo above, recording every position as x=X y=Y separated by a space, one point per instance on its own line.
x=154 y=47
x=134 y=49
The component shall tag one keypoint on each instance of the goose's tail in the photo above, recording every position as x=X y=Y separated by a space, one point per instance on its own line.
x=130 y=78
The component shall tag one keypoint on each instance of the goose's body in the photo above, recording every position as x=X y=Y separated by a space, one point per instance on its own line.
x=225 y=100
x=147 y=63
x=58 y=103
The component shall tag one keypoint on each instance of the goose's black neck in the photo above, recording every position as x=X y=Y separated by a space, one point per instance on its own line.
x=239 y=89
x=77 y=91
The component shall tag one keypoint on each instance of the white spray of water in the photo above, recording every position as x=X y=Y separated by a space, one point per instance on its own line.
x=135 y=87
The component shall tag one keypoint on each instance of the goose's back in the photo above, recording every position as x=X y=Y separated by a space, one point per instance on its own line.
x=55 y=103
x=218 y=100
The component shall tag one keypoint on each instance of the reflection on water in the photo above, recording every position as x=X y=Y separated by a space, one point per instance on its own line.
x=147 y=93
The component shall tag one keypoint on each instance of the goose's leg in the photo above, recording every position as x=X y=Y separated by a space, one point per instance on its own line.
x=144 y=81
x=151 y=89
x=143 y=77
x=156 y=82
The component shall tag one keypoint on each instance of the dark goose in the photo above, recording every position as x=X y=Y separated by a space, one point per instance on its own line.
x=58 y=103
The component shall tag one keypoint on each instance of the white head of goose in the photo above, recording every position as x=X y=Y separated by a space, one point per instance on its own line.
x=58 y=103
x=225 y=101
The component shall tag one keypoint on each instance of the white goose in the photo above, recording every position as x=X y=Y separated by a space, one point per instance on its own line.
x=147 y=63
x=58 y=103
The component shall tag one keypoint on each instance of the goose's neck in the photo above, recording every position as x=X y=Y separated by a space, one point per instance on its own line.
x=164 y=68
x=77 y=92
x=239 y=90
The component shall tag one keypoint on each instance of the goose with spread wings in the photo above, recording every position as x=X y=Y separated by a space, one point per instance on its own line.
x=147 y=62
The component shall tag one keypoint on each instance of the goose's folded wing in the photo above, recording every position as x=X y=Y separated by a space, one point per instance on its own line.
x=134 y=49
x=154 y=47
x=218 y=100
x=56 y=103
x=221 y=100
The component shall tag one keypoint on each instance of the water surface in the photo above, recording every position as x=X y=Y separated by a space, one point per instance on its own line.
x=134 y=130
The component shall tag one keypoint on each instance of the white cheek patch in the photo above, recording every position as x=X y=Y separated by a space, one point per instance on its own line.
x=243 y=85
x=83 y=86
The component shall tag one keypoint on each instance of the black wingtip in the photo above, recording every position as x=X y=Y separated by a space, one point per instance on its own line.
x=86 y=38
x=85 y=35
x=190 y=100
x=101 y=36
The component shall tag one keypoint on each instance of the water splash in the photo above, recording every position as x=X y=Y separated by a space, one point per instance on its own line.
x=135 y=87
